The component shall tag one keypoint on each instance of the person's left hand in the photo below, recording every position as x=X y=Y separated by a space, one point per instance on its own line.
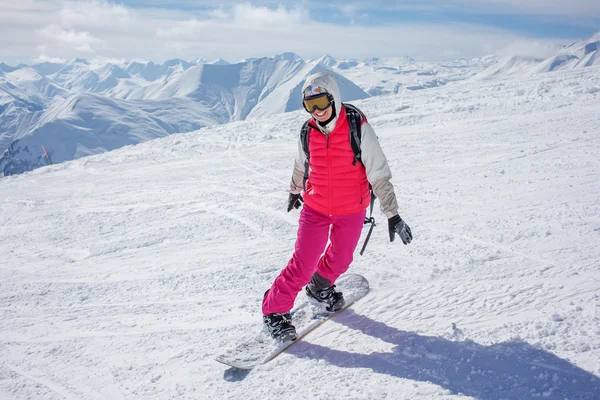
x=397 y=225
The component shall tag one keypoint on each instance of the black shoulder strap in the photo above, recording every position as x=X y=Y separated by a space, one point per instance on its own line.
x=304 y=137
x=355 y=119
x=304 y=140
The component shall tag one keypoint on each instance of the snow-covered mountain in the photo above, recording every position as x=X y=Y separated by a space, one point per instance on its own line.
x=51 y=102
x=47 y=68
x=587 y=51
x=151 y=72
x=380 y=76
x=82 y=77
x=4 y=68
x=27 y=84
x=513 y=65
x=580 y=54
x=236 y=90
x=24 y=94
x=85 y=108
x=123 y=274
x=86 y=124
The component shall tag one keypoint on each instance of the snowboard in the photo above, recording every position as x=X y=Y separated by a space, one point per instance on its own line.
x=307 y=315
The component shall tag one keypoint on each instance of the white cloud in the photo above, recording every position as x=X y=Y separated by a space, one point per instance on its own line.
x=45 y=58
x=241 y=22
x=72 y=29
x=219 y=13
x=350 y=11
x=96 y=14
x=57 y=37
x=101 y=61
x=556 y=8
x=266 y=18
x=21 y=5
x=581 y=8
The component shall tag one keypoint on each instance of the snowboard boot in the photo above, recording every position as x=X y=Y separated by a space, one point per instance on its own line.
x=280 y=326
x=332 y=298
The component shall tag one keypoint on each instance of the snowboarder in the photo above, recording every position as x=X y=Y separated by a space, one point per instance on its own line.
x=336 y=196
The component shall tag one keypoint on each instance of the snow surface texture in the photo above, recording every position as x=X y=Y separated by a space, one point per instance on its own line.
x=123 y=274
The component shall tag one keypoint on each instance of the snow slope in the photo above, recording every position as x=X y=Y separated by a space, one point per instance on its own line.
x=512 y=66
x=124 y=273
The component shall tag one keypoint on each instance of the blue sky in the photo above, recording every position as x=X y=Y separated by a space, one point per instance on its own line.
x=157 y=30
x=552 y=19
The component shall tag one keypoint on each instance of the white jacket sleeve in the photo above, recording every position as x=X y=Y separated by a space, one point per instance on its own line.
x=297 y=182
x=378 y=171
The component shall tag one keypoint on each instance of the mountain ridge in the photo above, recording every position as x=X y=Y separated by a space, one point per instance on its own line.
x=177 y=95
x=579 y=54
x=91 y=108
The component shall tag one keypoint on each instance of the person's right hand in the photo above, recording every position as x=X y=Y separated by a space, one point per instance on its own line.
x=294 y=201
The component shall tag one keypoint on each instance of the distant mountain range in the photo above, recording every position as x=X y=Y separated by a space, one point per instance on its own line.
x=579 y=54
x=82 y=108
x=380 y=76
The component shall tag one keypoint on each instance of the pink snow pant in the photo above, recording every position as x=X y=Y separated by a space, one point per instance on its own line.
x=308 y=257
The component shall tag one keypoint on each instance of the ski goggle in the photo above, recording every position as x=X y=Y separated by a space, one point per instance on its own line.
x=311 y=91
x=319 y=102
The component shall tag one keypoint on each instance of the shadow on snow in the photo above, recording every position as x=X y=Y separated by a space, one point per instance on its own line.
x=511 y=370
x=235 y=374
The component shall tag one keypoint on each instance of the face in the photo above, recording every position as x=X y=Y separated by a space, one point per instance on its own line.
x=324 y=115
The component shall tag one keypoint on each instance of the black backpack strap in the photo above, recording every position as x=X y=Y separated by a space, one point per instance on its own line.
x=304 y=133
x=355 y=120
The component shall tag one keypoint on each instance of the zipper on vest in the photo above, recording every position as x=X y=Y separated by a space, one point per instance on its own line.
x=327 y=140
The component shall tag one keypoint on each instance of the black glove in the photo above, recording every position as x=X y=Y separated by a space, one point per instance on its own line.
x=397 y=225
x=294 y=201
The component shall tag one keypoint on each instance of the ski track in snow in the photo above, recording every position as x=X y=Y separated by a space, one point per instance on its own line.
x=122 y=275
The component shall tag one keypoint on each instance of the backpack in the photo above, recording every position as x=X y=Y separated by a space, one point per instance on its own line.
x=355 y=120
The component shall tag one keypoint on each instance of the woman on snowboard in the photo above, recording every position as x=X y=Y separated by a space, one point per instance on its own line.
x=336 y=197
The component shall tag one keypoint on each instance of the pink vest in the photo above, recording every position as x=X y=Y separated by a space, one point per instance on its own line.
x=335 y=186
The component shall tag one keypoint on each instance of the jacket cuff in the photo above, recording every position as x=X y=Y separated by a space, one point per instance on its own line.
x=294 y=189
x=390 y=214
